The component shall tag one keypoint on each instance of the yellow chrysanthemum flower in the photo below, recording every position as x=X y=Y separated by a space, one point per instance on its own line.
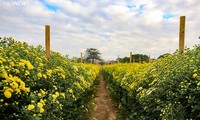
x=63 y=76
x=39 y=75
x=49 y=72
x=26 y=89
x=70 y=91
x=18 y=90
x=62 y=94
x=11 y=64
x=44 y=76
x=41 y=110
x=15 y=85
x=54 y=96
x=2 y=59
x=16 y=79
x=39 y=104
x=16 y=70
x=43 y=92
x=39 y=94
x=29 y=65
x=27 y=73
x=195 y=75
x=42 y=101
x=22 y=85
x=21 y=64
x=41 y=65
x=57 y=94
x=9 y=89
x=55 y=87
x=5 y=75
x=31 y=107
x=7 y=94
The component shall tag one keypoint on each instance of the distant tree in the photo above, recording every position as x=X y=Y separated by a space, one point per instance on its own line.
x=123 y=60
x=120 y=60
x=136 y=58
x=164 y=55
x=140 y=58
x=92 y=54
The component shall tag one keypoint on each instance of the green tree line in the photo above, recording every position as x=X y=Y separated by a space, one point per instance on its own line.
x=136 y=58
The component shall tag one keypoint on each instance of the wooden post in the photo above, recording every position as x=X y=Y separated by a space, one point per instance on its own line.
x=139 y=59
x=131 y=57
x=182 y=34
x=81 y=57
x=47 y=41
x=149 y=59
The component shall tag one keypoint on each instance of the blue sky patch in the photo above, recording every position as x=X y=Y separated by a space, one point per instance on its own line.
x=131 y=6
x=51 y=7
x=142 y=6
x=105 y=36
x=167 y=16
x=140 y=9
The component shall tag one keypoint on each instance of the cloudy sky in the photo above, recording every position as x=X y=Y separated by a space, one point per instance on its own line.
x=115 y=27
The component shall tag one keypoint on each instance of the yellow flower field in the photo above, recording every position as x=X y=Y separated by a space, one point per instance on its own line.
x=165 y=89
x=33 y=88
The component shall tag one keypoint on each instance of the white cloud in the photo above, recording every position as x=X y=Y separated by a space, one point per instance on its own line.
x=110 y=26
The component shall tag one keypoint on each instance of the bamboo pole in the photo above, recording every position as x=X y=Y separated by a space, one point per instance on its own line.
x=182 y=34
x=47 y=41
x=131 y=57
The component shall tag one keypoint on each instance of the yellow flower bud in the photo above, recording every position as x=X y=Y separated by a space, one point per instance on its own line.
x=70 y=91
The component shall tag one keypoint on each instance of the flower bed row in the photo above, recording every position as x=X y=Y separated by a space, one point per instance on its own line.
x=165 y=89
x=33 y=88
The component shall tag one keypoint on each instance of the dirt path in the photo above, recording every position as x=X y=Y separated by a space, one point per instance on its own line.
x=104 y=108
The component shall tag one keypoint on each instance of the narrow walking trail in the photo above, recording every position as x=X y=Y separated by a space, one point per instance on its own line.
x=104 y=108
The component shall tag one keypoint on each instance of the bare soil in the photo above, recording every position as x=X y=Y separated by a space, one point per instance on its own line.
x=104 y=108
